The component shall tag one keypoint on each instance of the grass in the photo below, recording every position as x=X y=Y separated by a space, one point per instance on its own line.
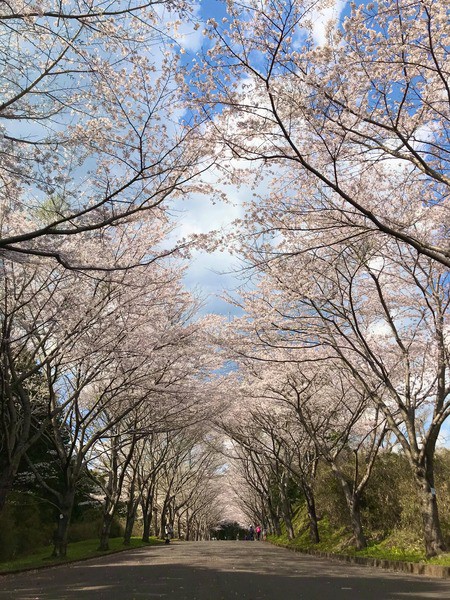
x=75 y=551
x=398 y=546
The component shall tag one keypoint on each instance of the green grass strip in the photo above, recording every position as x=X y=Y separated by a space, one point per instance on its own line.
x=372 y=551
x=398 y=546
x=75 y=551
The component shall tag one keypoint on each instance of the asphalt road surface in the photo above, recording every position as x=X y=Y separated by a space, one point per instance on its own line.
x=218 y=571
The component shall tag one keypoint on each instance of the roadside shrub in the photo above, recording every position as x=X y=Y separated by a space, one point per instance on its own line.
x=24 y=526
x=90 y=524
x=330 y=500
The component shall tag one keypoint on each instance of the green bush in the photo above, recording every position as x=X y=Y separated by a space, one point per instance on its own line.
x=28 y=522
x=330 y=499
x=89 y=526
x=24 y=526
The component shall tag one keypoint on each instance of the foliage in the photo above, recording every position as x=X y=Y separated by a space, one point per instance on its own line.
x=25 y=524
x=229 y=530
x=391 y=513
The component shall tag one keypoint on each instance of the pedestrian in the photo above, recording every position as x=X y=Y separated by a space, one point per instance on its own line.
x=168 y=532
x=251 y=532
x=258 y=533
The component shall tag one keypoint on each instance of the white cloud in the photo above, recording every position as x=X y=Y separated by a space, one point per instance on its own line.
x=199 y=215
x=210 y=274
x=322 y=18
x=184 y=32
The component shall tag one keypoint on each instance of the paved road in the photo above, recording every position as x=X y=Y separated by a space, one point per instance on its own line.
x=217 y=571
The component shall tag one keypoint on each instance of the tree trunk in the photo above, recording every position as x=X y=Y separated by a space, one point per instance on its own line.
x=131 y=518
x=312 y=516
x=62 y=527
x=353 y=506
x=147 y=521
x=433 y=538
x=108 y=518
x=132 y=506
x=165 y=517
x=188 y=526
x=6 y=482
x=286 y=508
x=162 y=525
x=155 y=517
x=287 y=518
x=275 y=520
x=357 y=528
x=147 y=510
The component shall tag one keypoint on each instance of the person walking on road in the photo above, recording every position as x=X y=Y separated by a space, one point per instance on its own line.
x=168 y=532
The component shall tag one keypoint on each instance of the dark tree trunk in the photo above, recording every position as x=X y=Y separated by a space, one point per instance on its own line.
x=165 y=517
x=63 y=524
x=312 y=517
x=286 y=508
x=188 y=526
x=6 y=482
x=433 y=538
x=132 y=506
x=275 y=521
x=131 y=518
x=147 y=510
x=108 y=518
x=155 y=521
x=357 y=528
x=147 y=521
x=162 y=525
x=352 y=500
x=273 y=518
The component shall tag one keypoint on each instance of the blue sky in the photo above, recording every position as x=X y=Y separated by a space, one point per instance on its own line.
x=211 y=274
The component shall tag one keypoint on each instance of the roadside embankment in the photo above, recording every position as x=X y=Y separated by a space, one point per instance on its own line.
x=428 y=570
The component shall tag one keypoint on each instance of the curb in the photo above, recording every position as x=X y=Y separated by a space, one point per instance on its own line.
x=410 y=568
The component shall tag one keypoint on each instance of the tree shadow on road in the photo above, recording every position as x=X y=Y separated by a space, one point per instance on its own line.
x=247 y=576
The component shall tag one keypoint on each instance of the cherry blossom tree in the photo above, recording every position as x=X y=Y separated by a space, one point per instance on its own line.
x=254 y=488
x=90 y=130
x=115 y=460
x=341 y=424
x=40 y=328
x=157 y=450
x=180 y=476
x=260 y=459
x=107 y=345
x=357 y=124
x=381 y=311
x=140 y=480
